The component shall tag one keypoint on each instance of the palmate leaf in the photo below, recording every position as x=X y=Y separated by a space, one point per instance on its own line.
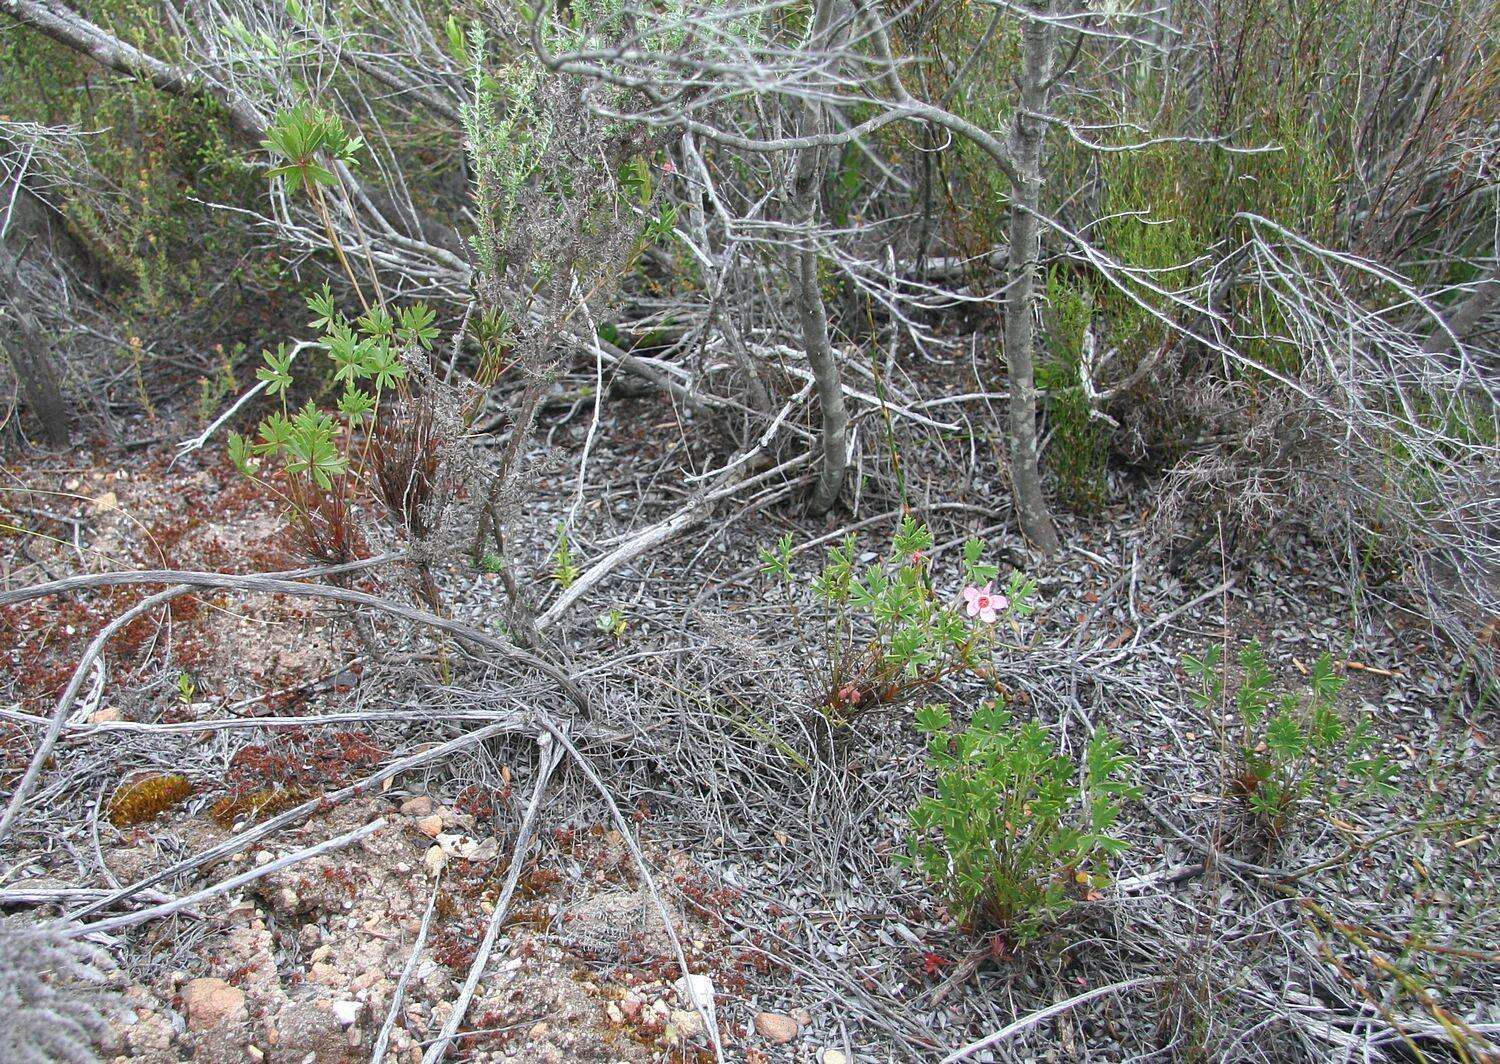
x=912 y=537
x=316 y=457
x=277 y=372
x=1326 y=685
x=350 y=355
x=377 y=323
x=1327 y=726
x=297 y=136
x=322 y=305
x=242 y=454
x=931 y=719
x=1206 y=667
x=977 y=571
x=355 y=405
x=777 y=561
x=313 y=422
x=1379 y=773
x=1285 y=737
x=310 y=448
x=298 y=175
x=385 y=366
x=275 y=431
x=416 y=325
x=1020 y=589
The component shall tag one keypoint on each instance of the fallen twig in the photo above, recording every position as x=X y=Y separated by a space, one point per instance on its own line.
x=1041 y=1014
x=551 y=755
x=399 y=993
x=623 y=826
x=156 y=912
x=236 y=843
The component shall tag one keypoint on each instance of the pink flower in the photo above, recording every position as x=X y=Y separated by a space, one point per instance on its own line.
x=849 y=695
x=669 y=167
x=984 y=603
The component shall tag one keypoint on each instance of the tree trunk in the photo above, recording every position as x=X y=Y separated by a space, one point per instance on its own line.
x=32 y=363
x=830 y=29
x=826 y=380
x=1020 y=295
x=30 y=356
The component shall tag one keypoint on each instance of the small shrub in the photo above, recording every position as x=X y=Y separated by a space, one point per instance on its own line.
x=1012 y=839
x=392 y=430
x=889 y=634
x=146 y=798
x=565 y=570
x=215 y=389
x=390 y=436
x=1293 y=749
x=1078 y=452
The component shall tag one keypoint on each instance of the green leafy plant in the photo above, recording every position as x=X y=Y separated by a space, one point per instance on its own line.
x=889 y=633
x=308 y=145
x=214 y=388
x=1014 y=836
x=1293 y=748
x=383 y=437
x=299 y=136
x=612 y=623
x=564 y=569
x=1078 y=452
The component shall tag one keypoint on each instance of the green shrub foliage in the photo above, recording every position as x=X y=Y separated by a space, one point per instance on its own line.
x=1014 y=836
x=1294 y=750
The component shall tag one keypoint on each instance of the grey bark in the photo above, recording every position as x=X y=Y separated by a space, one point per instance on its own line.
x=1027 y=133
x=431 y=237
x=31 y=356
x=826 y=383
x=830 y=26
x=71 y=29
